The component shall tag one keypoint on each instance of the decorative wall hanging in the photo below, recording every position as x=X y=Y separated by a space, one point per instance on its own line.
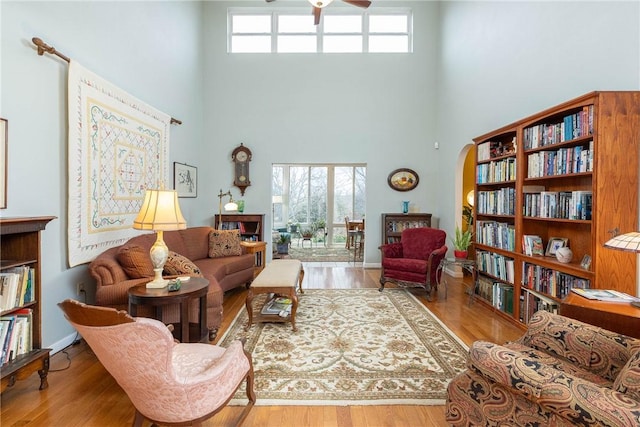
x=4 y=140
x=403 y=179
x=118 y=148
x=241 y=157
x=185 y=180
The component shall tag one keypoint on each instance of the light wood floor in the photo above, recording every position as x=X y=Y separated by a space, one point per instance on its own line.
x=82 y=393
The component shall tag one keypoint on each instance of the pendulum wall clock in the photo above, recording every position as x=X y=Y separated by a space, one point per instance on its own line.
x=241 y=157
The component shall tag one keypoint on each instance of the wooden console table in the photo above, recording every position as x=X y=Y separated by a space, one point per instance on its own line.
x=620 y=317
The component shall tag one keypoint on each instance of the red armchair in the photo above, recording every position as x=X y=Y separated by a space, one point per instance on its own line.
x=413 y=262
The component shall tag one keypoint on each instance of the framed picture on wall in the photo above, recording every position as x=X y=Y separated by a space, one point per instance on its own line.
x=185 y=180
x=403 y=179
x=4 y=140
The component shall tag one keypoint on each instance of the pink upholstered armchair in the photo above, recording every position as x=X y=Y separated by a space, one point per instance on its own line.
x=167 y=382
x=414 y=260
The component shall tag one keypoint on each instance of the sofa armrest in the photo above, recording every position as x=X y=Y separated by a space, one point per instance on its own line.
x=117 y=294
x=572 y=398
x=391 y=250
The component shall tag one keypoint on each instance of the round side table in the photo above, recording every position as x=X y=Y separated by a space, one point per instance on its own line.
x=196 y=287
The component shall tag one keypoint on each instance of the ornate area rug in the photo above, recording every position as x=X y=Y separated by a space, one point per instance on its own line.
x=321 y=254
x=353 y=347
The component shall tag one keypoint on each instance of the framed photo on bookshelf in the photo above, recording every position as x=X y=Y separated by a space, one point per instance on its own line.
x=554 y=244
x=4 y=140
x=185 y=180
x=586 y=262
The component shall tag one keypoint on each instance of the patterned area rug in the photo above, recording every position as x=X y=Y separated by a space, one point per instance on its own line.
x=353 y=347
x=321 y=254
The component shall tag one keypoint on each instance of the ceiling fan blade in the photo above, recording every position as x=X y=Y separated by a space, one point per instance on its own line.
x=316 y=15
x=360 y=3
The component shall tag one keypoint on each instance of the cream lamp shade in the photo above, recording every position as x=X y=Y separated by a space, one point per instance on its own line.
x=625 y=242
x=471 y=195
x=230 y=206
x=160 y=212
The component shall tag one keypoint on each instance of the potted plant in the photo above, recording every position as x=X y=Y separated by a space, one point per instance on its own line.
x=461 y=242
x=283 y=243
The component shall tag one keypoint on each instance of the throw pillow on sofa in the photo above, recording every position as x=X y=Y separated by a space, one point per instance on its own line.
x=224 y=243
x=628 y=380
x=178 y=265
x=135 y=261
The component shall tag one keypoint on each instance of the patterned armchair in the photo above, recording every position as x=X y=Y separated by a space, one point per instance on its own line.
x=167 y=382
x=414 y=260
x=561 y=372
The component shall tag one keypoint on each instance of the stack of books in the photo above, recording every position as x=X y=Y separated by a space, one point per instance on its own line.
x=278 y=305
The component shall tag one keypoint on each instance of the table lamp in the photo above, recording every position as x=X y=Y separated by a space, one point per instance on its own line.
x=160 y=212
x=230 y=206
x=629 y=242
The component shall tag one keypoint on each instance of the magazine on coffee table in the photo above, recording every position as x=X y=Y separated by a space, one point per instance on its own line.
x=276 y=305
x=605 y=295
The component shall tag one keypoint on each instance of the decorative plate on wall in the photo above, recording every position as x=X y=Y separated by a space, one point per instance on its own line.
x=403 y=179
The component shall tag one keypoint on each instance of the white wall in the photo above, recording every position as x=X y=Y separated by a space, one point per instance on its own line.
x=502 y=61
x=329 y=108
x=154 y=53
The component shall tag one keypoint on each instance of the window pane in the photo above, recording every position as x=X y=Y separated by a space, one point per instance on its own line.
x=298 y=195
x=296 y=24
x=388 y=24
x=342 y=44
x=342 y=24
x=277 y=191
x=251 y=24
x=388 y=43
x=318 y=192
x=343 y=193
x=255 y=44
x=297 y=44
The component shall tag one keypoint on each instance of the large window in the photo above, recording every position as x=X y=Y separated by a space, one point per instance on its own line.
x=308 y=194
x=341 y=30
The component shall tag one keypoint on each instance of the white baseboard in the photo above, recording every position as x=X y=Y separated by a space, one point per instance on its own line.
x=63 y=343
x=454 y=271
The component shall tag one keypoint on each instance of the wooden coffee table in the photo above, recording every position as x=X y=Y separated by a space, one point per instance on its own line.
x=196 y=287
x=280 y=277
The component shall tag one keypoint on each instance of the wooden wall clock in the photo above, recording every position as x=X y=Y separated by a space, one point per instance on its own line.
x=241 y=157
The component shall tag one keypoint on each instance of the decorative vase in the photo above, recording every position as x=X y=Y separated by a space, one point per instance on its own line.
x=240 y=205
x=283 y=248
x=460 y=254
x=564 y=255
x=405 y=207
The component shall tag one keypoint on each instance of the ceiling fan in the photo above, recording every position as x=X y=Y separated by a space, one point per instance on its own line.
x=318 y=5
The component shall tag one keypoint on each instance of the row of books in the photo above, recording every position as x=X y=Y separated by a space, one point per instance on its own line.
x=560 y=162
x=496 y=265
x=571 y=127
x=16 y=334
x=498 y=171
x=497 y=234
x=531 y=301
x=549 y=281
x=491 y=149
x=559 y=204
x=240 y=225
x=498 y=294
x=497 y=202
x=16 y=287
x=398 y=226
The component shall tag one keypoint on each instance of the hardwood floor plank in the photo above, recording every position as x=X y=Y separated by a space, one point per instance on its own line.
x=86 y=395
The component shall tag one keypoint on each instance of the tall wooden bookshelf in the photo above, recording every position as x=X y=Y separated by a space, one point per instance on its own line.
x=569 y=172
x=251 y=226
x=20 y=246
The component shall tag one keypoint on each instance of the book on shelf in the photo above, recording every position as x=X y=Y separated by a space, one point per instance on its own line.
x=276 y=305
x=605 y=295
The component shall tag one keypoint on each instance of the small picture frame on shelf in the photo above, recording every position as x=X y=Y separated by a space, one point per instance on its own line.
x=586 y=262
x=554 y=244
x=185 y=180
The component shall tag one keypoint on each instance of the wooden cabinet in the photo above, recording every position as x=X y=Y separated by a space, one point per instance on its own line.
x=20 y=247
x=569 y=172
x=251 y=226
x=393 y=224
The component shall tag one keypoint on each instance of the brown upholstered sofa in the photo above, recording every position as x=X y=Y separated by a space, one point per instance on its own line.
x=561 y=372
x=214 y=254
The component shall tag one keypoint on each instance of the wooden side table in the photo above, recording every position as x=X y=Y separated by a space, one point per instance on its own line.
x=620 y=317
x=196 y=287
x=260 y=249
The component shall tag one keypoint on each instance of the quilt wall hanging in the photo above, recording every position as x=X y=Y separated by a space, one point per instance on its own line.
x=118 y=147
